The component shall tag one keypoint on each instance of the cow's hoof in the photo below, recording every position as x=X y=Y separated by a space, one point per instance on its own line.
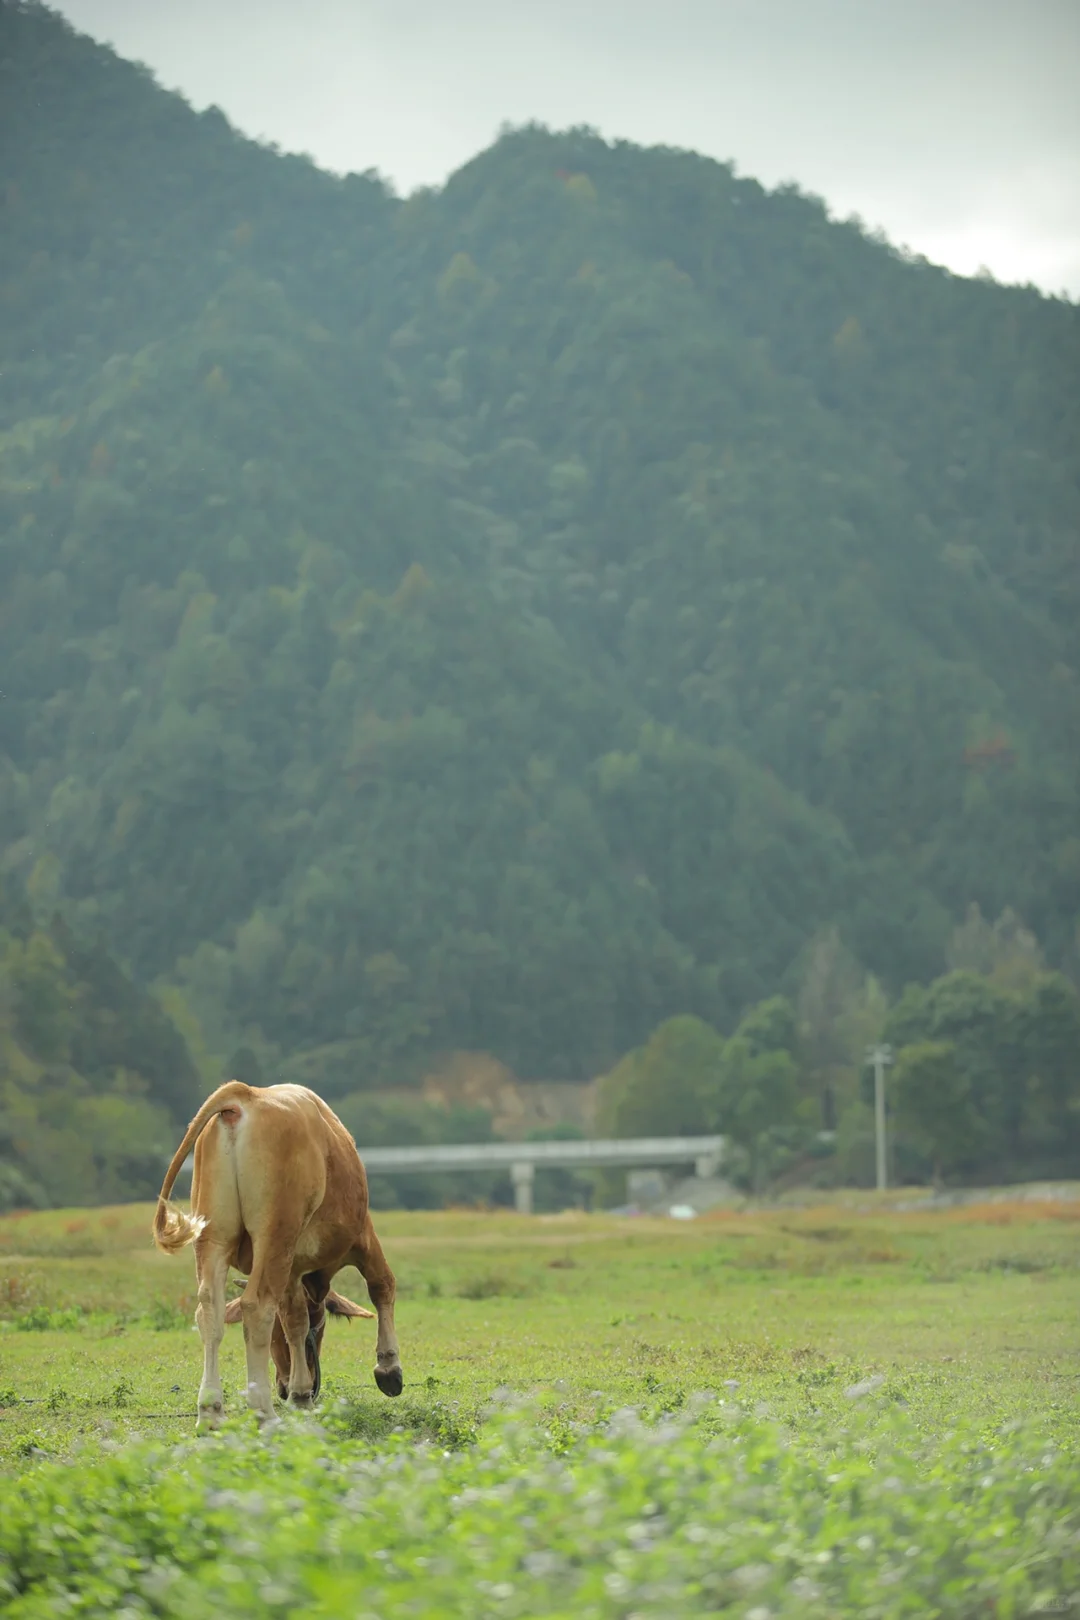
x=389 y=1380
x=282 y=1391
x=210 y=1418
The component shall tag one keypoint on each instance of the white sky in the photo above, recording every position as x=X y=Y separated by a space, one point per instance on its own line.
x=952 y=124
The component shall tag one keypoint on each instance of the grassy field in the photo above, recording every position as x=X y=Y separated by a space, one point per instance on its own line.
x=938 y=1341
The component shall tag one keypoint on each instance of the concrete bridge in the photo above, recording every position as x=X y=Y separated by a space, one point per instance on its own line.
x=522 y=1158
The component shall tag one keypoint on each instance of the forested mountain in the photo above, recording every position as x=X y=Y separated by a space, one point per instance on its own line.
x=93 y=1075
x=512 y=616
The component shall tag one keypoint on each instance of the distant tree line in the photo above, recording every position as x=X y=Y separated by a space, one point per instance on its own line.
x=96 y=1082
x=985 y=1088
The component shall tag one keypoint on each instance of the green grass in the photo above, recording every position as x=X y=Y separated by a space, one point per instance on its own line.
x=738 y=1338
x=971 y=1311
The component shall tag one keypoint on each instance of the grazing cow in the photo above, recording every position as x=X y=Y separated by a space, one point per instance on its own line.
x=280 y=1194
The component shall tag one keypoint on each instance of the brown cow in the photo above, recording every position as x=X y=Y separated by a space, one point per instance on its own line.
x=280 y=1194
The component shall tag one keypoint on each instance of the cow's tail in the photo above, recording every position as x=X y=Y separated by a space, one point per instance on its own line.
x=172 y=1228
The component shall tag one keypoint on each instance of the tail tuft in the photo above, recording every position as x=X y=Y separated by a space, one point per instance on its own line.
x=173 y=1230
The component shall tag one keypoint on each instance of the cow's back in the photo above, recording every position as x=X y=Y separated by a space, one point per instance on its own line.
x=343 y=1209
x=279 y=1162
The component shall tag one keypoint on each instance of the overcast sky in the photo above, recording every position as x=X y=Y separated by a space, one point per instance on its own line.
x=952 y=124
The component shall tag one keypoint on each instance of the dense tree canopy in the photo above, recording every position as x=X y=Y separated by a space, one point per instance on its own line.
x=514 y=616
x=94 y=1078
x=988 y=1079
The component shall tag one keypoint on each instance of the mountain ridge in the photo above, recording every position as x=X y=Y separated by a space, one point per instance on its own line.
x=505 y=617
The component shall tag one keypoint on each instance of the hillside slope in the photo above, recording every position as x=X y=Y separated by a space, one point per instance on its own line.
x=508 y=617
x=95 y=1082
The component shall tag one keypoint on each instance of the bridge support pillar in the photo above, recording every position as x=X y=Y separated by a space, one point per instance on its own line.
x=521 y=1174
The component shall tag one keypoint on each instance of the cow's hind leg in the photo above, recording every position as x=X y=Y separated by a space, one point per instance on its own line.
x=267 y=1289
x=370 y=1261
x=212 y=1269
x=279 y=1351
x=294 y=1317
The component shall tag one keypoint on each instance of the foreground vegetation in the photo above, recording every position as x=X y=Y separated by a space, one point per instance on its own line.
x=790 y=1413
x=712 y=1510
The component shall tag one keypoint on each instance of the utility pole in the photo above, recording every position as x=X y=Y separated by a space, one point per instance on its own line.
x=879 y=1057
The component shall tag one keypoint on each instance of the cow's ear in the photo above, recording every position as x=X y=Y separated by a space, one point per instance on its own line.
x=338 y=1305
x=232 y=1312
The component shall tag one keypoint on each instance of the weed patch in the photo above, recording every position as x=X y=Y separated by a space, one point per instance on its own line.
x=168 y=1315
x=1024 y=1265
x=492 y=1285
x=41 y=1319
x=15 y=1295
x=444 y=1423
